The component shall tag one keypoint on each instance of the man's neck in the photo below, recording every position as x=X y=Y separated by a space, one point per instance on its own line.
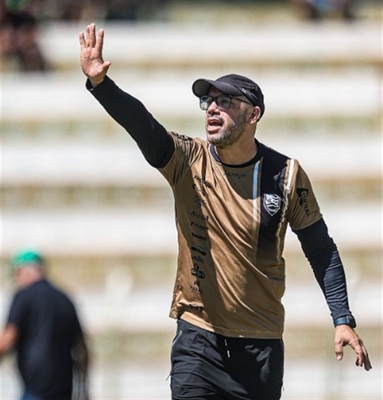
x=237 y=155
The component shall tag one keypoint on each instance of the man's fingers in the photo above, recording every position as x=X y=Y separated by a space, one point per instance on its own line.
x=362 y=358
x=90 y=40
x=92 y=35
x=106 y=65
x=366 y=359
x=357 y=346
x=87 y=36
x=100 y=40
x=359 y=358
x=82 y=40
x=339 y=350
x=363 y=361
x=367 y=364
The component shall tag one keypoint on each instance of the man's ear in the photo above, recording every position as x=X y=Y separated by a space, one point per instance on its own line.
x=255 y=115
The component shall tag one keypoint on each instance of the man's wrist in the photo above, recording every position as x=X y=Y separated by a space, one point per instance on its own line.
x=91 y=83
x=95 y=83
x=345 y=320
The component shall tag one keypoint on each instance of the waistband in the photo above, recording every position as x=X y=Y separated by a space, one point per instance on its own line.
x=226 y=340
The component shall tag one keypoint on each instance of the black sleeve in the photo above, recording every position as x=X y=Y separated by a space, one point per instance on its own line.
x=18 y=309
x=323 y=256
x=152 y=138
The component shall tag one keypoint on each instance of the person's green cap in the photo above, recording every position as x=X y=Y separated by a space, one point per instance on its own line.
x=26 y=257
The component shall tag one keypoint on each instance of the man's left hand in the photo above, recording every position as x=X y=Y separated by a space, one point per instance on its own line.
x=346 y=336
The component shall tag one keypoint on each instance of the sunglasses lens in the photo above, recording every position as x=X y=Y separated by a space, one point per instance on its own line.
x=223 y=102
x=204 y=102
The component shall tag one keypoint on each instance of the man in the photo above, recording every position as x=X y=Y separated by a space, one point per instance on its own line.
x=233 y=200
x=44 y=329
x=19 y=35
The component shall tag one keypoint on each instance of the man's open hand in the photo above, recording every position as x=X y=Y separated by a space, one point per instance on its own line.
x=91 y=60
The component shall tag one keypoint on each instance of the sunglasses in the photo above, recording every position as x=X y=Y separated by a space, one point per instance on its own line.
x=223 y=101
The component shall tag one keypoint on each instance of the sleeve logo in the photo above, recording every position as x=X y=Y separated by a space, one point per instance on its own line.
x=302 y=194
x=272 y=203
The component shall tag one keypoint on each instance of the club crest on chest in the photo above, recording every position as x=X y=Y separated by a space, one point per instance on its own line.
x=272 y=203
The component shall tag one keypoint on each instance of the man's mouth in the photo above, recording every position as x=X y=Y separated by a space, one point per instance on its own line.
x=213 y=124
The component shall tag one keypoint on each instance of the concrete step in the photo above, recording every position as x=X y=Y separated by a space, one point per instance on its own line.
x=324 y=379
x=107 y=231
x=119 y=306
x=184 y=46
x=103 y=163
x=348 y=190
x=313 y=93
x=78 y=272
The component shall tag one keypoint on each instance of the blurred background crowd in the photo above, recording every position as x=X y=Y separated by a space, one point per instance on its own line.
x=75 y=10
x=20 y=18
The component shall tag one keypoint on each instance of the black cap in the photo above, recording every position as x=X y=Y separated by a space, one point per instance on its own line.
x=232 y=84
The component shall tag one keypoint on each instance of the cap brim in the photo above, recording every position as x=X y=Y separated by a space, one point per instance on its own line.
x=201 y=87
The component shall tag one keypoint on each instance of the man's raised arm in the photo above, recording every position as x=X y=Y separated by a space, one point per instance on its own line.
x=152 y=138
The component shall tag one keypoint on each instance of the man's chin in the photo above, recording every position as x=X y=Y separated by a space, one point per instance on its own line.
x=213 y=138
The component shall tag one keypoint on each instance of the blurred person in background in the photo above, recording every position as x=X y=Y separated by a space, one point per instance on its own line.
x=316 y=10
x=120 y=10
x=82 y=10
x=72 y=10
x=234 y=199
x=44 y=329
x=133 y=10
x=19 y=34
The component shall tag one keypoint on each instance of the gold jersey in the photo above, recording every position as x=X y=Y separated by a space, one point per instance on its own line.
x=231 y=225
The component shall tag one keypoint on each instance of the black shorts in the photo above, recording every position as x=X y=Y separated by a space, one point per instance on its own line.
x=214 y=367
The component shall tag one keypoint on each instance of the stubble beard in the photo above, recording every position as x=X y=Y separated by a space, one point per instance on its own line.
x=230 y=134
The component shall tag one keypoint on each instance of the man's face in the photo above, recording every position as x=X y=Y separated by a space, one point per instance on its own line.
x=27 y=274
x=21 y=277
x=225 y=127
